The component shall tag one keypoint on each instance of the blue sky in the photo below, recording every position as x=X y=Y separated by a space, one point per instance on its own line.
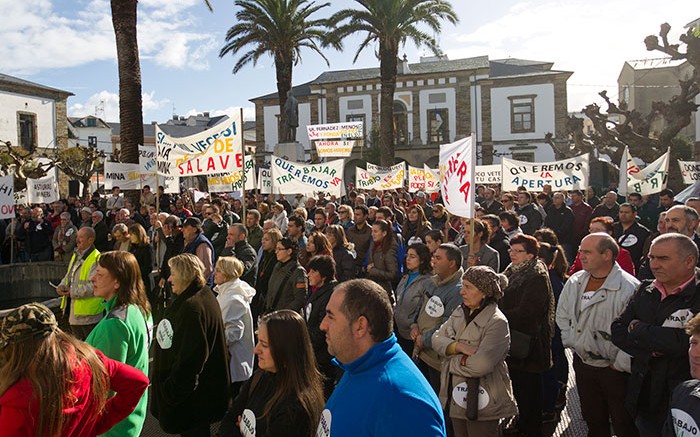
x=69 y=44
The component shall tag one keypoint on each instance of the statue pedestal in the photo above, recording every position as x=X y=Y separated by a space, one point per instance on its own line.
x=290 y=151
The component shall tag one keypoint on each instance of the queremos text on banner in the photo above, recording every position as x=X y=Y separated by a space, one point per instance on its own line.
x=457 y=162
x=690 y=170
x=336 y=140
x=487 y=174
x=265 y=181
x=291 y=178
x=232 y=182
x=386 y=178
x=7 y=197
x=568 y=174
x=416 y=179
x=44 y=190
x=649 y=180
x=432 y=179
x=216 y=150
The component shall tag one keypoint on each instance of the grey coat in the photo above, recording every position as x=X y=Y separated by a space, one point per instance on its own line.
x=408 y=300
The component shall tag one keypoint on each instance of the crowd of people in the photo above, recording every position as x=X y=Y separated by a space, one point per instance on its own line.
x=378 y=313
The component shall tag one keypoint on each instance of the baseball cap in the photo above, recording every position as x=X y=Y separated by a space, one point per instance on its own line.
x=26 y=322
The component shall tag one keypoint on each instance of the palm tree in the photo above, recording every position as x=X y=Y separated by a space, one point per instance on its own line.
x=279 y=28
x=391 y=23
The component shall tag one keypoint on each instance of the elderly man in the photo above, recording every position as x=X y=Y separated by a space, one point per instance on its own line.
x=608 y=207
x=236 y=245
x=380 y=385
x=590 y=301
x=64 y=238
x=490 y=204
x=85 y=309
x=101 y=232
x=196 y=243
x=651 y=330
x=121 y=237
x=37 y=234
x=683 y=220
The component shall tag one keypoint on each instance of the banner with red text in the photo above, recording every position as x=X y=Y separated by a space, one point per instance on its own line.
x=7 y=197
x=416 y=179
x=568 y=174
x=382 y=179
x=457 y=162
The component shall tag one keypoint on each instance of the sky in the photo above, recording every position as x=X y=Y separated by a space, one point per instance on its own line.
x=69 y=44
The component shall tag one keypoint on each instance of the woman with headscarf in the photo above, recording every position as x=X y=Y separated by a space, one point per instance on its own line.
x=474 y=344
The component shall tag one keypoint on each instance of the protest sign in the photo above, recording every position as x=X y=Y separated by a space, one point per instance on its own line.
x=690 y=170
x=374 y=168
x=7 y=198
x=416 y=179
x=487 y=174
x=291 y=178
x=389 y=179
x=457 y=161
x=216 y=150
x=650 y=180
x=231 y=182
x=147 y=159
x=432 y=179
x=265 y=181
x=124 y=176
x=568 y=174
x=44 y=190
x=334 y=148
x=351 y=129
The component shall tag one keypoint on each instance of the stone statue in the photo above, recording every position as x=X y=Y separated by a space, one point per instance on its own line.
x=291 y=110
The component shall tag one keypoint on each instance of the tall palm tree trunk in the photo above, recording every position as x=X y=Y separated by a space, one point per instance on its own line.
x=283 y=69
x=130 y=99
x=387 y=68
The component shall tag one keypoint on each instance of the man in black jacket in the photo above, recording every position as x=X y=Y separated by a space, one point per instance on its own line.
x=236 y=245
x=530 y=217
x=560 y=219
x=651 y=330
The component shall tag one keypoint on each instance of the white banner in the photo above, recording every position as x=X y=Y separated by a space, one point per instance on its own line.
x=487 y=174
x=568 y=174
x=416 y=179
x=690 y=170
x=231 y=182
x=216 y=150
x=334 y=148
x=21 y=198
x=351 y=129
x=375 y=169
x=291 y=178
x=457 y=162
x=124 y=176
x=652 y=179
x=7 y=198
x=391 y=180
x=265 y=181
x=147 y=159
x=432 y=179
x=44 y=190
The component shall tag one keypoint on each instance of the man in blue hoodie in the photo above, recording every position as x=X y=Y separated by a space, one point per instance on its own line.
x=381 y=385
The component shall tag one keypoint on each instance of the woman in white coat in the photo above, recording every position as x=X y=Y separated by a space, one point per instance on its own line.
x=234 y=297
x=473 y=344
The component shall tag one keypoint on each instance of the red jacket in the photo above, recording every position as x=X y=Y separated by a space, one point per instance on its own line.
x=19 y=409
x=624 y=259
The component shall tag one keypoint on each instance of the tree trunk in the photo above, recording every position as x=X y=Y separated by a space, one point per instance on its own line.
x=387 y=67
x=130 y=99
x=283 y=68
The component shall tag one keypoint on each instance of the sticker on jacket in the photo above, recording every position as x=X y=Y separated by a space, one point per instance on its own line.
x=324 y=425
x=307 y=310
x=69 y=232
x=683 y=423
x=586 y=299
x=247 y=425
x=629 y=240
x=434 y=307
x=523 y=220
x=678 y=319
x=164 y=334
x=459 y=396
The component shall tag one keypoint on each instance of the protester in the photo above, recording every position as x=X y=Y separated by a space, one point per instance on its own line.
x=317 y=244
x=64 y=238
x=266 y=265
x=382 y=262
x=343 y=253
x=605 y=225
x=416 y=225
x=101 y=232
x=190 y=369
x=482 y=254
x=474 y=342
x=381 y=392
x=125 y=333
x=140 y=247
x=255 y=231
x=288 y=283
x=53 y=384
x=360 y=235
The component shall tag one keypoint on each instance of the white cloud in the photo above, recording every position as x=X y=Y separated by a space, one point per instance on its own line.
x=109 y=103
x=592 y=38
x=248 y=112
x=37 y=36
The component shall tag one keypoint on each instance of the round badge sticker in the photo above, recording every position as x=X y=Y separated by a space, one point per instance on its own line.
x=434 y=307
x=164 y=334
x=523 y=220
x=683 y=423
x=459 y=396
x=324 y=426
x=247 y=424
x=631 y=240
x=69 y=232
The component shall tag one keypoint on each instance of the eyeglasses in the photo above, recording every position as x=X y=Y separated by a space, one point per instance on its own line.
x=517 y=250
x=279 y=249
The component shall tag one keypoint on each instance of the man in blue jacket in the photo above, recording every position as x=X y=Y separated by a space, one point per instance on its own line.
x=381 y=384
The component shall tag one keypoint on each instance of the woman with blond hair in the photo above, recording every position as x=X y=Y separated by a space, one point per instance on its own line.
x=190 y=365
x=234 y=297
x=125 y=333
x=53 y=384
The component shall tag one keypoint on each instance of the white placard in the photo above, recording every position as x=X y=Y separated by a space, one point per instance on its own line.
x=432 y=179
x=265 y=181
x=650 y=180
x=568 y=174
x=350 y=129
x=44 y=190
x=291 y=177
x=690 y=170
x=487 y=174
x=457 y=161
x=231 y=182
x=7 y=198
x=416 y=179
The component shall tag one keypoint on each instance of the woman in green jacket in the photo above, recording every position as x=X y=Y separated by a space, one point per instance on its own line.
x=125 y=333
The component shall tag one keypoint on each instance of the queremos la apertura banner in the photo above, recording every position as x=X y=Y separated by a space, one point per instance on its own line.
x=457 y=162
x=7 y=196
x=216 y=150
x=336 y=140
x=487 y=174
x=380 y=178
x=568 y=174
x=291 y=177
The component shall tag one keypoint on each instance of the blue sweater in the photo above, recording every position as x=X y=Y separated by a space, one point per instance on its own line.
x=383 y=393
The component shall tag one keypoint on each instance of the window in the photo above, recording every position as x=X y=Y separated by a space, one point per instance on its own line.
x=524 y=156
x=438 y=126
x=522 y=113
x=400 y=124
x=91 y=122
x=355 y=104
x=437 y=98
x=26 y=131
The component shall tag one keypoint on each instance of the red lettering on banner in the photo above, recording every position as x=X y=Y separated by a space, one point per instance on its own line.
x=465 y=189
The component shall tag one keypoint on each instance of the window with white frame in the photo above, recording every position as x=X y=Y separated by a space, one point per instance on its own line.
x=27 y=130
x=522 y=113
x=438 y=126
